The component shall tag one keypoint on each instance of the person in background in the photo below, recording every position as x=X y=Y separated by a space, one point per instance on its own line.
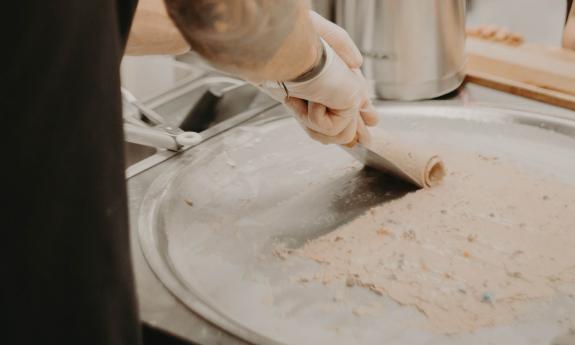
x=504 y=35
x=67 y=273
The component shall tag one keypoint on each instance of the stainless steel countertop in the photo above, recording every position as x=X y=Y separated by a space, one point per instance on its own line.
x=159 y=308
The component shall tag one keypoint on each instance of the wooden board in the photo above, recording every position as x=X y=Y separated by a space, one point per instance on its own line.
x=546 y=74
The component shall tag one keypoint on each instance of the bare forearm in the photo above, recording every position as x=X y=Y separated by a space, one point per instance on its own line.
x=256 y=39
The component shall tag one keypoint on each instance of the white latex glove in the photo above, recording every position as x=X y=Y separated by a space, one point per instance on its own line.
x=333 y=106
x=344 y=47
x=338 y=39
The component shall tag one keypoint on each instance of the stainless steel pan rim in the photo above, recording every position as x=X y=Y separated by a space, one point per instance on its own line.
x=152 y=241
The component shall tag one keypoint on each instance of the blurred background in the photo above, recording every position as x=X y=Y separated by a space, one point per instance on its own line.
x=538 y=21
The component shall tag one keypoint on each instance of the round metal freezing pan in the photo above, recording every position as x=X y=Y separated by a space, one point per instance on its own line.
x=209 y=224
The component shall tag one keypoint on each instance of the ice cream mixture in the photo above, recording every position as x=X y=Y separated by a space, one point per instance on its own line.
x=469 y=253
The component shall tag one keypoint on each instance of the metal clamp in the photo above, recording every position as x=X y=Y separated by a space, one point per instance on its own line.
x=146 y=127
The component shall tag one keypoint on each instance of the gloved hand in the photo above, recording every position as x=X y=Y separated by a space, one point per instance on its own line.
x=333 y=106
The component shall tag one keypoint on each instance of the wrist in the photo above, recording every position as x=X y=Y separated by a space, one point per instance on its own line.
x=317 y=66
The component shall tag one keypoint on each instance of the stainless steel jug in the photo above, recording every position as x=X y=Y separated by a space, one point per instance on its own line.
x=413 y=49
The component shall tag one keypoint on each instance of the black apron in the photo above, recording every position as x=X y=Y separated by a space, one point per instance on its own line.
x=66 y=271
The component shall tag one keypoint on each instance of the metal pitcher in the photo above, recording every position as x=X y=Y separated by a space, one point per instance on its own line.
x=413 y=49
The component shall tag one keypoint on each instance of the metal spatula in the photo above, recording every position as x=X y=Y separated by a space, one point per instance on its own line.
x=376 y=161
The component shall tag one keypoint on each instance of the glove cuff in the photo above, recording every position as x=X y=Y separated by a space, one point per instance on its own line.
x=281 y=90
x=317 y=66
